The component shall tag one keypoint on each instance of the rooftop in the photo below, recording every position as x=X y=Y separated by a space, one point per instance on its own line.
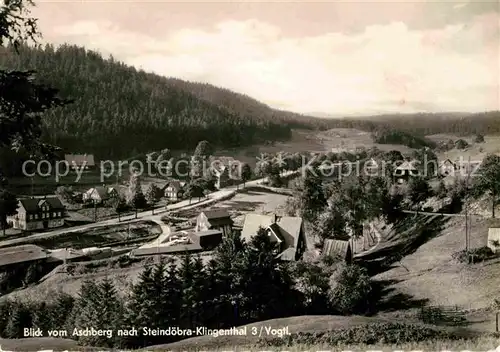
x=21 y=254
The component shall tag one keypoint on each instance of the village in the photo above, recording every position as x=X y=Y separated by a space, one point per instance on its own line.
x=46 y=215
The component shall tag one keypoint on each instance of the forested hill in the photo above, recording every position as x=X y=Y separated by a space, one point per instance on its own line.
x=119 y=111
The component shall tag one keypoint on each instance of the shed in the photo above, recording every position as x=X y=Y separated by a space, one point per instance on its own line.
x=494 y=239
x=207 y=239
x=338 y=248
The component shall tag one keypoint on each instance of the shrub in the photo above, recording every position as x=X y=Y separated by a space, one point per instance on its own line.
x=369 y=334
x=476 y=255
x=350 y=289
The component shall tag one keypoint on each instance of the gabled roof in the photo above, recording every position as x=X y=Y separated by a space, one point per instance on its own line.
x=30 y=204
x=336 y=248
x=289 y=227
x=218 y=217
x=80 y=159
x=407 y=165
x=102 y=192
x=20 y=254
x=175 y=184
x=288 y=254
x=447 y=161
x=216 y=214
x=275 y=230
x=207 y=233
x=54 y=203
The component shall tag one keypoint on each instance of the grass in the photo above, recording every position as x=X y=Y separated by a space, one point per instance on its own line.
x=322 y=333
x=432 y=345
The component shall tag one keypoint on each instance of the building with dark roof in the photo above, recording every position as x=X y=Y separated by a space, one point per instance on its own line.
x=286 y=232
x=338 y=249
x=174 y=190
x=23 y=254
x=214 y=220
x=100 y=194
x=38 y=213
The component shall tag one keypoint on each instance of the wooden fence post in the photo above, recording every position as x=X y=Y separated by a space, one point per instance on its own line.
x=496 y=321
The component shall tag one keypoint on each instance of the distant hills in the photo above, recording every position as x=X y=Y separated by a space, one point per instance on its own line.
x=119 y=111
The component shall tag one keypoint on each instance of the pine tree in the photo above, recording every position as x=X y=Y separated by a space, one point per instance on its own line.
x=312 y=197
x=135 y=197
x=246 y=173
x=41 y=316
x=86 y=312
x=188 y=290
x=110 y=308
x=19 y=318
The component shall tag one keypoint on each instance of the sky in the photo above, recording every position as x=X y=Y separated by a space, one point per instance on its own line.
x=338 y=58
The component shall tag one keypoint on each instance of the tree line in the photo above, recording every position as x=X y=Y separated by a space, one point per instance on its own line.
x=118 y=111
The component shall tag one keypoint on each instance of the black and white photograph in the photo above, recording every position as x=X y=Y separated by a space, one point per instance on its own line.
x=249 y=175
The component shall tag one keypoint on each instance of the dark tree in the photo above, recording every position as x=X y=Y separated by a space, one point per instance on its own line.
x=489 y=179
x=419 y=190
x=8 y=206
x=246 y=173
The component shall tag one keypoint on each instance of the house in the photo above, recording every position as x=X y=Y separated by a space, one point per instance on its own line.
x=287 y=232
x=370 y=166
x=339 y=249
x=79 y=161
x=222 y=176
x=406 y=170
x=28 y=254
x=467 y=167
x=214 y=220
x=494 y=239
x=100 y=194
x=38 y=213
x=447 y=167
x=174 y=190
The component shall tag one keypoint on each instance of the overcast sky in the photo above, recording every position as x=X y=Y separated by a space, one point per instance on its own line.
x=341 y=57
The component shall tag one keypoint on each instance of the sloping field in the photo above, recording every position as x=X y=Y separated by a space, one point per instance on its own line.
x=294 y=324
x=476 y=151
x=431 y=274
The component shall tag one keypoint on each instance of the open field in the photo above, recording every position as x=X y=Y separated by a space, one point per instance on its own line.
x=431 y=274
x=476 y=151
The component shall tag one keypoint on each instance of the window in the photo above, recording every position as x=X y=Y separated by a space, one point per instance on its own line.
x=58 y=213
x=54 y=214
x=36 y=216
x=31 y=216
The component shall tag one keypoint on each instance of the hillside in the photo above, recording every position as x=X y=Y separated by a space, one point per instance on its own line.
x=119 y=111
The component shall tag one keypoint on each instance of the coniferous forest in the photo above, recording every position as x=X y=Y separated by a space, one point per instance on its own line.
x=119 y=111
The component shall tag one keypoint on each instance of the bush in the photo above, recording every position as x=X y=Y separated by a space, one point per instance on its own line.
x=476 y=255
x=350 y=289
x=369 y=334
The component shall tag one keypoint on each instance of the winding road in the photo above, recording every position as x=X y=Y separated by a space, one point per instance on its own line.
x=212 y=198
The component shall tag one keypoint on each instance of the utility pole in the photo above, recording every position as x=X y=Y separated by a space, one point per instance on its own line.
x=467 y=235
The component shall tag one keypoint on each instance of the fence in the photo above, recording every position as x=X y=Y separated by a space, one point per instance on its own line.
x=447 y=315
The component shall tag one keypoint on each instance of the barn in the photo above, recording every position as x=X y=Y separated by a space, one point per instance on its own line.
x=494 y=239
x=338 y=249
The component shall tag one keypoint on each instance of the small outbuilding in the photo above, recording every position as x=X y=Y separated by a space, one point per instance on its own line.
x=494 y=239
x=338 y=249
